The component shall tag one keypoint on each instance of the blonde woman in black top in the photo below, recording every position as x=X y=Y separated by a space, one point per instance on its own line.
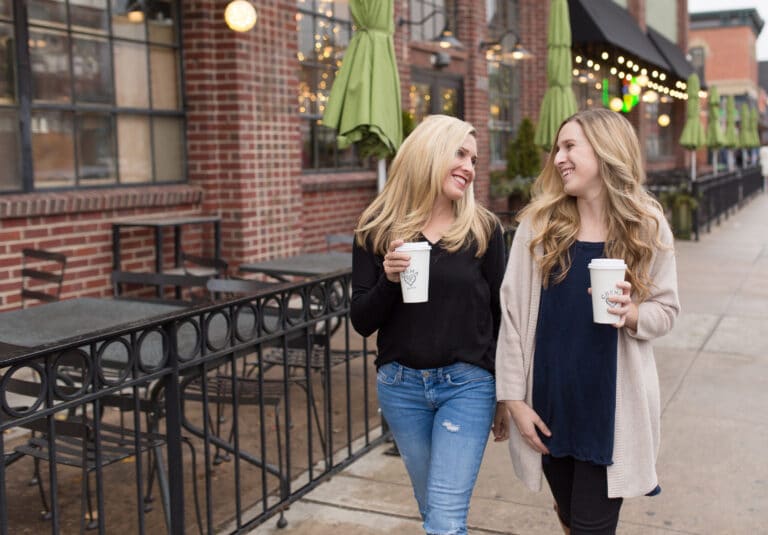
x=435 y=359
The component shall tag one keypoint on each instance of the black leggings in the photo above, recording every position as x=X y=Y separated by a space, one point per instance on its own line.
x=581 y=493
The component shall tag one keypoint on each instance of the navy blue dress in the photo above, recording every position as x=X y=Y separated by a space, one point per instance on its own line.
x=574 y=372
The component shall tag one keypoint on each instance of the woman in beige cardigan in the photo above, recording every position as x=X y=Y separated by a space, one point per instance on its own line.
x=590 y=419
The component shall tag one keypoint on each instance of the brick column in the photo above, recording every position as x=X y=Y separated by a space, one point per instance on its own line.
x=243 y=147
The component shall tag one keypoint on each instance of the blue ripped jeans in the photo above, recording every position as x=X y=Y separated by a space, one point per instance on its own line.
x=440 y=419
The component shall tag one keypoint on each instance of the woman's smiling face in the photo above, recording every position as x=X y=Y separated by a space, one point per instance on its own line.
x=462 y=171
x=577 y=162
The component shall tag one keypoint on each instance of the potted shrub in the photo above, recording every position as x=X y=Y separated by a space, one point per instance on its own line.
x=523 y=164
x=680 y=203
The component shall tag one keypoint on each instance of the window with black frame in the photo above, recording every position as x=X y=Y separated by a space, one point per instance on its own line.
x=437 y=15
x=104 y=84
x=324 y=30
x=503 y=81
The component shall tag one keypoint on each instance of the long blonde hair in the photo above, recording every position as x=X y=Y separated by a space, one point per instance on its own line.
x=415 y=181
x=633 y=215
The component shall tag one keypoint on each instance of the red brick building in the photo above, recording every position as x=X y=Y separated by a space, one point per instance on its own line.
x=723 y=44
x=116 y=109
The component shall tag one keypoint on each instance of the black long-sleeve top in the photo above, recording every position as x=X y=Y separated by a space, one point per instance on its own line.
x=460 y=322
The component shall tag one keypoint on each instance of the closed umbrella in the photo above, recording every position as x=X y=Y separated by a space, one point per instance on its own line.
x=692 y=137
x=755 y=128
x=559 y=101
x=744 y=133
x=364 y=103
x=731 y=135
x=715 y=135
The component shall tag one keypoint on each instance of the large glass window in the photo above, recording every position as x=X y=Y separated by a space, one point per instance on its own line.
x=10 y=176
x=324 y=30
x=103 y=78
x=503 y=80
x=437 y=15
x=659 y=140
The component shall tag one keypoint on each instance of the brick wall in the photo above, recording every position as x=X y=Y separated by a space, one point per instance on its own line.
x=730 y=57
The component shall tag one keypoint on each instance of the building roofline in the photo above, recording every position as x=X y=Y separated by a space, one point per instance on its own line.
x=727 y=18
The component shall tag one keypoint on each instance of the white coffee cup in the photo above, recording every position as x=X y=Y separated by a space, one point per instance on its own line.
x=604 y=273
x=414 y=281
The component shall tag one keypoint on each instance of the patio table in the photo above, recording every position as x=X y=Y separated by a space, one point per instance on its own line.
x=159 y=224
x=23 y=329
x=302 y=265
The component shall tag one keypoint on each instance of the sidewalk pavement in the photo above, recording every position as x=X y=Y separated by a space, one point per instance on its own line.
x=714 y=384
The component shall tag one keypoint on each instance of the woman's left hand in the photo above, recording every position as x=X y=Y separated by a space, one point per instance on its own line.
x=625 y=309
x=500 y=426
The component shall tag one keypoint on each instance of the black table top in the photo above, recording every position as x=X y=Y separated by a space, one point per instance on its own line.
x=167 y=221
x=61 y=320
x=302 y=265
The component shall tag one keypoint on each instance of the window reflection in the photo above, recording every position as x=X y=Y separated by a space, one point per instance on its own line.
x=168 y=139
x=134 y=149
x=96 y=148
x=6 y=9
x=53 y=148
x=90 y=15
x=91 y=65
x=131 y=77
x=7 y=74
x=164 y=63
x=49 y=57
x=659 y=139
x=52 y=11
x=503 y=81
x=10 y=177
x=324 y=31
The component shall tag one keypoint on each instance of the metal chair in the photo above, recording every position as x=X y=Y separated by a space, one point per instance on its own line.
x=200 y=266
x=42 y=274
x=72 y=440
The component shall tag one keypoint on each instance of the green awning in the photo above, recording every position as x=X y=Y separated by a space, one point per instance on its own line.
x=364 y=104
x=559 y=101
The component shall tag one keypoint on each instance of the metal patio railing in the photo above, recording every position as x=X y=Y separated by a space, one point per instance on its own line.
x=716 y=196
x=209 y=420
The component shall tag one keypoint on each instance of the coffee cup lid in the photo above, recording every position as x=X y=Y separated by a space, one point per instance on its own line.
x=414 y=246
x=607 y=263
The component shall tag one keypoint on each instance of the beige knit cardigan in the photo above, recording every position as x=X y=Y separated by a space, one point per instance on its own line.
x=636 y=432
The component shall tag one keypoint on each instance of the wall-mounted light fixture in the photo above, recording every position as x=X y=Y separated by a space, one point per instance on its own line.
x=506 y=49
x=445 y=39
x=240 y=15
x=440 y=60
x=135 y=12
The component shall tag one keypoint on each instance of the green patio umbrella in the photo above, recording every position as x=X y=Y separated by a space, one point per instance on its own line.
x=745 y=127
x=755 y=120
x=715 y=135
x=364 y=103
x=692 y=137
x=559 y=101
x=731 y=135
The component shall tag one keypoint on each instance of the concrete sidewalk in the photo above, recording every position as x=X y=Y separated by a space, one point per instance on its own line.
x=713 y=466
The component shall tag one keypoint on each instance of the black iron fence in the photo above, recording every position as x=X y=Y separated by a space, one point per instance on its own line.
x=693 y=206
x=209 y=420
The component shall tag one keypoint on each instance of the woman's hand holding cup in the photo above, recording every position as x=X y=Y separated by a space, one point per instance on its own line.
x=395 y=262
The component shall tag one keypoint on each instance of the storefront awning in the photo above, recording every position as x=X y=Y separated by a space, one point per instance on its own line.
x=672 y=53
x=596 y=22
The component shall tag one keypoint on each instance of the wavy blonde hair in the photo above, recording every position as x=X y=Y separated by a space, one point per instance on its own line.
x=633 y=215
x=416 y=177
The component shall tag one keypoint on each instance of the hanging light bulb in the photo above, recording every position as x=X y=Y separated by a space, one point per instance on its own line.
x=240 y=15
x=616 y=104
